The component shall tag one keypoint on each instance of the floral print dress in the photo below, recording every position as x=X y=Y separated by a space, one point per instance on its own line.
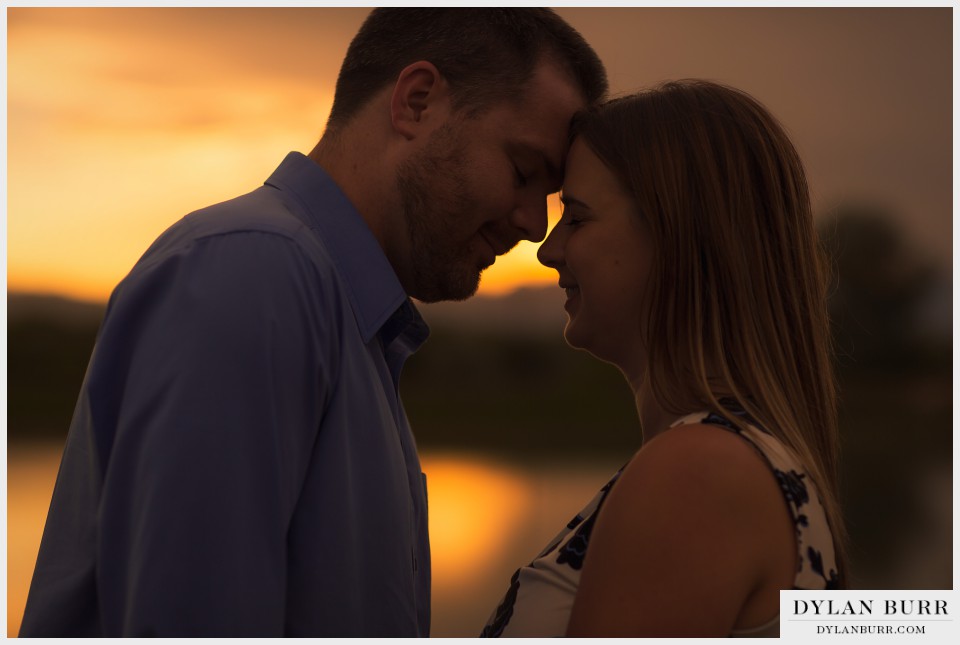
x=541 y=594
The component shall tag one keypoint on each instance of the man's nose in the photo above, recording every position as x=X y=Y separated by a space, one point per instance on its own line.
x=530 y=218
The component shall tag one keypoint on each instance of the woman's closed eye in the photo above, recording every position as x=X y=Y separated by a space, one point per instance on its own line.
x=574 y=219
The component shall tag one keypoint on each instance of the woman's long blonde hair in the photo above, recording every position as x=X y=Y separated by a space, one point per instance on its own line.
x=738 y=289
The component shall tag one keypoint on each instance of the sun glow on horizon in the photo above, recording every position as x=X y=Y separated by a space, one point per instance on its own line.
x=520 y=267
x=32 y=270
x=121 y=121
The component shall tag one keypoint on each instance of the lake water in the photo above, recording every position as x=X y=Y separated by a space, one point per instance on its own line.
x=487 y=517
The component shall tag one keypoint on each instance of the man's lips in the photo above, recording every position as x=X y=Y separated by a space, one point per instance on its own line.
x=496 y=248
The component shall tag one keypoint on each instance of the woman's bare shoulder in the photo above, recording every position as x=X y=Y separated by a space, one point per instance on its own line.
x=703 y=469
x=695 y=452
x=697 y=510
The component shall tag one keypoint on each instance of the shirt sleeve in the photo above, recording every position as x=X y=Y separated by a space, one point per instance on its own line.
x=207 y=390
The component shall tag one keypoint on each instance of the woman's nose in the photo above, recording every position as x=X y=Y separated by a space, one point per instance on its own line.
x=550 y=253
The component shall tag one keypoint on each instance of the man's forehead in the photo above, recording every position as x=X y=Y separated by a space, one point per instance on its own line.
x=552 y=150
x=548 y=105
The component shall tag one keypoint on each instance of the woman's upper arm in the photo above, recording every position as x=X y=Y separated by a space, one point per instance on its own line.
x=681 y=540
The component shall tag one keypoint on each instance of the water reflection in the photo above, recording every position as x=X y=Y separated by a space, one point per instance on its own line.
x=474 y=507
x=486 y=518
x=31 y=473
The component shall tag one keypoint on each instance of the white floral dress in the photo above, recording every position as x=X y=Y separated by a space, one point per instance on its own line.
x=541 y=594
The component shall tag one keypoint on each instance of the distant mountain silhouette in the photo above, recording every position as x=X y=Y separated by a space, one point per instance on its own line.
x=528 y=310
x=33 y=307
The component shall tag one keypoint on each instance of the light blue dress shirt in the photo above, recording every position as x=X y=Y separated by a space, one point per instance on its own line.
x=239 y=461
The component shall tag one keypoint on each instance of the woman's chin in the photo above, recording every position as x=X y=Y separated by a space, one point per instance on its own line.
x=577 y=338
x=571 y=336
x=601 y=348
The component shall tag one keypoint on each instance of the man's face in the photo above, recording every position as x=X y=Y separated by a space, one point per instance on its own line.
x=479 y=185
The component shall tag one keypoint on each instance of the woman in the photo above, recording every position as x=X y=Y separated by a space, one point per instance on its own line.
x=690 y=261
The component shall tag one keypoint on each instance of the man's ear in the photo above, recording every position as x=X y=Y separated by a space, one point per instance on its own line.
x=420 y=100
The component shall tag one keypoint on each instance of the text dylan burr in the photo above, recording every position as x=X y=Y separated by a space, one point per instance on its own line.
x=868 y=608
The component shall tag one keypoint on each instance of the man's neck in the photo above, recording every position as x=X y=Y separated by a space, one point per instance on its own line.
x=365 y=177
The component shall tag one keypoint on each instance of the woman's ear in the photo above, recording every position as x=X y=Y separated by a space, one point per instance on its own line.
x=420 y=100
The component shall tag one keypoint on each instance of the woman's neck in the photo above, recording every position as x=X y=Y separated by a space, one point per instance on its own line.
x=653 y=418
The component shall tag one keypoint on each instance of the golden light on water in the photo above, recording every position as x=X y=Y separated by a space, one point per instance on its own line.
x=473 y=506
x=30 y=479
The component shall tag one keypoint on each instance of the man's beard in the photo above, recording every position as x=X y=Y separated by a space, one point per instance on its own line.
x=437 y=207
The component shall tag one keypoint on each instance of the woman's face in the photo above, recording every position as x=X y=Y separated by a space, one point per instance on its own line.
x=603 y=256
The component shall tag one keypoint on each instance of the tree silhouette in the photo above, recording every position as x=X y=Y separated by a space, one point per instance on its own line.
x=879 y=283
x=895 y=390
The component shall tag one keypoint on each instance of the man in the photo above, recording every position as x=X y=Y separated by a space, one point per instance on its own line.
x=239 y=462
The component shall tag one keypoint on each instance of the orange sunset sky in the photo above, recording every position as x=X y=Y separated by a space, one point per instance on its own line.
x=120 y=121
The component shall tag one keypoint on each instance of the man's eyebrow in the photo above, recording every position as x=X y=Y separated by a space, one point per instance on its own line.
x=554 y=173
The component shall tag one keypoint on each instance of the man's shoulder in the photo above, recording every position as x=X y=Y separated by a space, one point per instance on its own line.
x=262 y=210
x=253 y=234
x=238 y=223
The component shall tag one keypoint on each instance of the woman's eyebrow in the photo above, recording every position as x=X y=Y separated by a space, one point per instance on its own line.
x=568 y=200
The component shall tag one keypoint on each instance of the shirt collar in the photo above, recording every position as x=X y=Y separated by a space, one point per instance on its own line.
x=371 y=283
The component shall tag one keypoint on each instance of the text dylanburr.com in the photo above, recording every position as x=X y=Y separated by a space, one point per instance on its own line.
x=883 y=615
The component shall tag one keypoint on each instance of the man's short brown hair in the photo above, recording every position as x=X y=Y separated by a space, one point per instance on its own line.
x=485 y=54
